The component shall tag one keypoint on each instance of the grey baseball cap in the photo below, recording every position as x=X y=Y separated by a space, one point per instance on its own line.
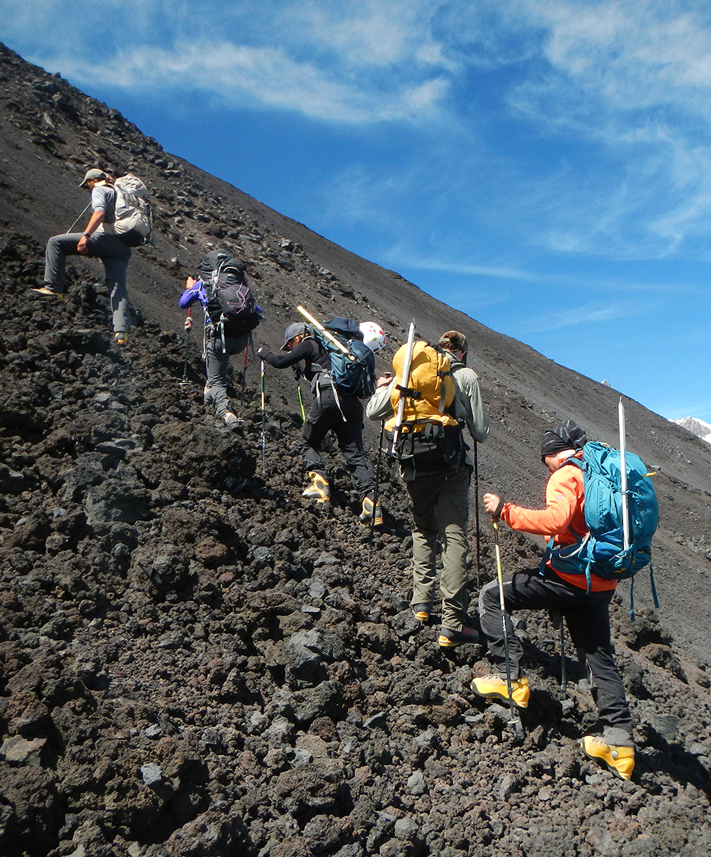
x=99 y=175
x=298 y=328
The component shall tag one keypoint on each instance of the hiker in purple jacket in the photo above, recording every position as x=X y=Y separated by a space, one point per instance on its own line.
x=220 y=341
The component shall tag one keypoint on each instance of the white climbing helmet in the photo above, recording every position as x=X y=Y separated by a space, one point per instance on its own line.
x=373 y=335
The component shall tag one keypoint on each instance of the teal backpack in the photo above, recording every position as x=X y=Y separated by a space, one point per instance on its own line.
x=602 y=549
x=354 y=372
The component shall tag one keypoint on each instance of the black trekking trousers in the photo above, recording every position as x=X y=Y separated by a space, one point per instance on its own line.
x=587 y=616
x=326 y=416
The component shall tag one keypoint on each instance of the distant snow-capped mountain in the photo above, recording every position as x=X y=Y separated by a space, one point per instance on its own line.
x=697 y=427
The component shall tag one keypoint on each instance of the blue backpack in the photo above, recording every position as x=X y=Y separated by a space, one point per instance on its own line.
x=602 y=549
x=353 y=374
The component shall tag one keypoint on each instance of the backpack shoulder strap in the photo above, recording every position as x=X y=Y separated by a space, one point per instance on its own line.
x=573 y=460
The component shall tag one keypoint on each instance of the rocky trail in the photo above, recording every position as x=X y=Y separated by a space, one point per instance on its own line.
x=195 y=662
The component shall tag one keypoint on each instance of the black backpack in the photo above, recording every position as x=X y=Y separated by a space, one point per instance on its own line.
x=230 y=300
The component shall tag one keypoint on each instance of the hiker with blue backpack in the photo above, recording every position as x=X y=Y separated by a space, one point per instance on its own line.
x=231 y=313
x=337 y=386
x=582 y=564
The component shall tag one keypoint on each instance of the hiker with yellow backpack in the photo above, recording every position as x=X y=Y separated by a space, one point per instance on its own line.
x=426 y=405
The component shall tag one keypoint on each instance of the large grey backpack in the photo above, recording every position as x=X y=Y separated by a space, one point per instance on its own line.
x=134 y=216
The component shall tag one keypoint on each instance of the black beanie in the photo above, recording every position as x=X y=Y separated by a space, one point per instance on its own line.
x=567 y=435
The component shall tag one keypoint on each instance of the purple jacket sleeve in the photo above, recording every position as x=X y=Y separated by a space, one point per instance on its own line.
x=189 y=296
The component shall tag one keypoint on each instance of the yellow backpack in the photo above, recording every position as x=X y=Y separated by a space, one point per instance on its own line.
x=430 y=388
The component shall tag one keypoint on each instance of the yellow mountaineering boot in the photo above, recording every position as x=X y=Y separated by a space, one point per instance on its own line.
x=422 y=611
x=372 y=513
x=448 y=637
x=49 y=292
x=620 y=760
x=318 y=490
x=494 y=687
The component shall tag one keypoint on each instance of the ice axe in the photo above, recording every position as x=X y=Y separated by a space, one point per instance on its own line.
x=403 y=386
x=327 y=333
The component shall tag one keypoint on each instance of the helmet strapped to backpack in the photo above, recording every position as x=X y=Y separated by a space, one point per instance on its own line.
x=373 y=335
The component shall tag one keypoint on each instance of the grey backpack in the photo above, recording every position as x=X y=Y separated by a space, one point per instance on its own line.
x=134 y=215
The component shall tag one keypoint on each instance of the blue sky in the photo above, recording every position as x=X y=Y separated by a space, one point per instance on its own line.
x=543 y=166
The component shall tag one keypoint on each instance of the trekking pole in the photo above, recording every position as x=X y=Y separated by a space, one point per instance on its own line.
x=78 y=219
x=327 y=333
x=476 y=513
x=184 y=379
x=563 y=677
x=515 y=722
x=261 y=390
x=557 y=620
x=376 y=498
x=301 y=401
x=244 y=378
x=403 y=387
x=623 y=476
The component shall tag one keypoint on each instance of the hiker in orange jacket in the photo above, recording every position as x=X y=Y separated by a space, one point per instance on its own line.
x=586 y=610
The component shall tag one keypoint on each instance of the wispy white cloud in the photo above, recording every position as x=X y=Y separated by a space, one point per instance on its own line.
x=351 y=62
x=498 y=272
x=264 y=77
x=363 y=33
x=590 y=313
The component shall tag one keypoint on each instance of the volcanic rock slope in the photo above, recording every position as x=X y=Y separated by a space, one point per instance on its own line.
x=196 y=663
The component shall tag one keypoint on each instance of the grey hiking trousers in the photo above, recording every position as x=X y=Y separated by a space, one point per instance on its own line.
x=587 y=616
x=217 y=363
x=113 y=253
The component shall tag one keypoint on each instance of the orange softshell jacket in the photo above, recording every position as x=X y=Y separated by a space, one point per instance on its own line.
x=565 y=502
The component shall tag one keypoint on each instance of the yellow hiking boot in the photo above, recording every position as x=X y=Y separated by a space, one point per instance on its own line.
x=620 y=760
x=422 y=611
x=318 y=490
x=448 y=637
x=494 y=687
x=49 y=292
x=372 y=513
